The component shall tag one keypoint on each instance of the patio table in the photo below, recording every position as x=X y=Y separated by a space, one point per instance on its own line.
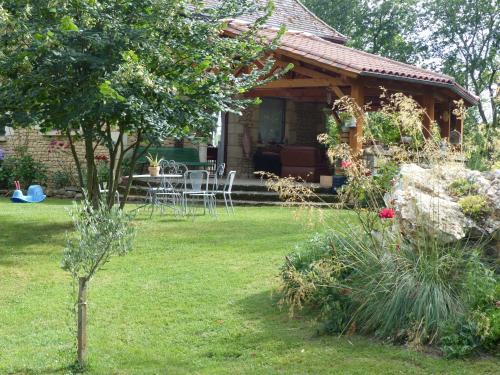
x=148 y=178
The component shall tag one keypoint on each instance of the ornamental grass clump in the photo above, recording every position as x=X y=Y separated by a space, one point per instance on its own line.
x=378 y=275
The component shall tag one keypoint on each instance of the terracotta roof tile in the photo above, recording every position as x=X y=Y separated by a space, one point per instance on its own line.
x=312 y=47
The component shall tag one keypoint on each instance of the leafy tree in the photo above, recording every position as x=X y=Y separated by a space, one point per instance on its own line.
x=384 y=27
x=100 y=234
x=466 y=39
x=99 y=71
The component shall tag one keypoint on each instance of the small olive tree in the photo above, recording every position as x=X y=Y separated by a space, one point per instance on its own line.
x=100 y=233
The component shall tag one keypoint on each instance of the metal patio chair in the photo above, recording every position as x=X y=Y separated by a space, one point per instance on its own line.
x=217 y=176
x=168 y=192
x=104 y=190
x=226 y=191
x=196 y=183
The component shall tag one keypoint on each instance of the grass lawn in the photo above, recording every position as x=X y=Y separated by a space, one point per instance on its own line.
x=194 y=297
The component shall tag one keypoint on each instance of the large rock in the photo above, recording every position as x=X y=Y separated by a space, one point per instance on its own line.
x=422 y=201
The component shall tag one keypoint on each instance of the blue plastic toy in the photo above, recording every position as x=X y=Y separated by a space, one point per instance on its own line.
x=35 y=194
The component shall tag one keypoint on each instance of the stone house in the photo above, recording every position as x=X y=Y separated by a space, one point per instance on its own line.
x=294 y=108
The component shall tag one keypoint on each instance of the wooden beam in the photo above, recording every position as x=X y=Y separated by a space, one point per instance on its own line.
x=317 y=63
x=337 y=91
x=307 y=71
x=443 y=118
x=428 y=103
x=356 y=134
x=300 y=82
x=288 y=92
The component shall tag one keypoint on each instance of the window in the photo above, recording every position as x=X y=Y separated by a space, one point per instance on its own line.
x=272 y=121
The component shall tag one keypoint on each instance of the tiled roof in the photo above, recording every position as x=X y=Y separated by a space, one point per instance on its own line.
x=313 y=48
x=296 y=17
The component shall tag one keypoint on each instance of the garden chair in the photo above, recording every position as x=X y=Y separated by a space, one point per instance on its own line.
x=103 y=189
x=226 y=191
x=196 y=186
x=166 y=192
x=217 y=175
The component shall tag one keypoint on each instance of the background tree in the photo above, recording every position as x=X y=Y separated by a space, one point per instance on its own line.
x=465 y=41
x=100 y=234
x=385 y=27
x=99 y=71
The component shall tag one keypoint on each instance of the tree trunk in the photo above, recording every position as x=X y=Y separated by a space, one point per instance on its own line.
x=82 y=322
x=92 y=182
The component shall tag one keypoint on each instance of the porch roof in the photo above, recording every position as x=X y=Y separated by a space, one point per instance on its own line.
x=315 y=50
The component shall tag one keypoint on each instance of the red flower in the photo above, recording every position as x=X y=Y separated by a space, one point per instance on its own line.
x=345 y=164
x=386 y=213
x=101 y=158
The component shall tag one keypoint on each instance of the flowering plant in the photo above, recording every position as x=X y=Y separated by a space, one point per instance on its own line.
x=386 y=213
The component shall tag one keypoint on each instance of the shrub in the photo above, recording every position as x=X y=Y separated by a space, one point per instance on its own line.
x=61 y=179
x=24 y=168
x=398 y=291
x=385 y=177
x=314 y=275
x=381 y=127
x=474 y=206
x=463 y=187
x=479 y=328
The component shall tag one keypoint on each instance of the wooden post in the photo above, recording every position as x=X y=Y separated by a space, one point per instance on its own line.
x=428 y=104
x=461 y=124
x=82 y=321
x=445 y=121
x=356 y=134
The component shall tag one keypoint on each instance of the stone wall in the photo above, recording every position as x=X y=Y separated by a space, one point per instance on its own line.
x=59 y=156
x=52 y=150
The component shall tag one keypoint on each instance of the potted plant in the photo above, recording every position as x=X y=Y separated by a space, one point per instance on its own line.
x=348 y=121
x=154 y=165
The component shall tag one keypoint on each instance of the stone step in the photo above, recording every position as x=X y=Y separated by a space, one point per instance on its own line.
x=253 y=196
x=250 y=185
x=249 y=203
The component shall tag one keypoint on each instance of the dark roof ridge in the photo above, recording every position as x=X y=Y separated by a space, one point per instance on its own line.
x=339 y=34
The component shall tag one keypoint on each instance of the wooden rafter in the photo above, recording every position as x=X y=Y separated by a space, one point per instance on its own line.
x=317 y=63
x=337 y=91
x=301 y=82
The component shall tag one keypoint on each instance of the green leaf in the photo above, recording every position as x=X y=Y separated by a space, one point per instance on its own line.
x=130 y=56
x=108 y=92
x=67 y=24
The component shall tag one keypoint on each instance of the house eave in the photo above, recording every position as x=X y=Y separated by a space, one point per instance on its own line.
x=470 y=99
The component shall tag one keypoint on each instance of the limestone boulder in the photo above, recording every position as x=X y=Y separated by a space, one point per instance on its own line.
x=422 y=200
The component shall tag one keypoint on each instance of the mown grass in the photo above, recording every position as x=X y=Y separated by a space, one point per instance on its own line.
x=194 y=297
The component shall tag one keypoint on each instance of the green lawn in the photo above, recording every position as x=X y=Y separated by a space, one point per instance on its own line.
x=194 y=297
